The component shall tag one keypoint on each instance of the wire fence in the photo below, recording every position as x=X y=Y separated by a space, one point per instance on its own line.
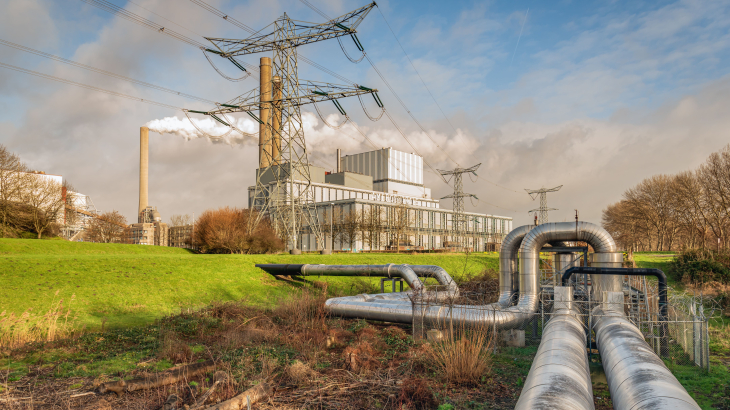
x=682 y=338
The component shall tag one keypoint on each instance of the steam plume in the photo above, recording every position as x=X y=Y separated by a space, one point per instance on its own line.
x=183 y=128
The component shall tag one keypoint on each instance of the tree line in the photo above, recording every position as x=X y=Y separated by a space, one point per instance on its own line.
x=689 y=210
x=373 y=226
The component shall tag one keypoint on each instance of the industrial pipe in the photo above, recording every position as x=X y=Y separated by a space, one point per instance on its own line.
x=662 y=287
x=637 y=377
x=508 y=278
x=560 y=377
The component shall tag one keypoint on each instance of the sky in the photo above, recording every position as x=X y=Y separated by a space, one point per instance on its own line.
x=591 y=95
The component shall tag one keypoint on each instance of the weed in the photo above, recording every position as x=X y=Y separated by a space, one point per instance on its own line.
x=56 y=323
x=463 y=357
x=415 y=394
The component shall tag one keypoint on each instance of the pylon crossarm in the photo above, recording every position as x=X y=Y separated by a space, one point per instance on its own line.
x=303 y=33
x=314 y=94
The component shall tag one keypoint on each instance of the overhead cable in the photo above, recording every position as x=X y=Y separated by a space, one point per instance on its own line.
x=88 y=87
x=134 y=18
x=100 y=71
x=137 y=19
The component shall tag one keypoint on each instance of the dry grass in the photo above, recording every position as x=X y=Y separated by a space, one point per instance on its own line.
x=463 y=357
x=303 y=310
x=174 y=349
x=56 y=323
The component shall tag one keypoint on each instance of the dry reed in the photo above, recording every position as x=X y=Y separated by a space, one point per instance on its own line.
x=56 y=323
x=463 y=357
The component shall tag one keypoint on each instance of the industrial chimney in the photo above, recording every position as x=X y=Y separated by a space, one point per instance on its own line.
x=276 y=128
x=265 y=112
x=144 y=142
x=339 y=160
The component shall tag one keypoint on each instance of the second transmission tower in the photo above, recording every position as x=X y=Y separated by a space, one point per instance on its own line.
x=459 y=219
x=542 y=211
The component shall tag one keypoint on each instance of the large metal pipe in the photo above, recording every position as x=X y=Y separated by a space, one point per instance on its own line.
x=277 y=121
x=144 y=145
x=508 y=274
x=597 y=237
x=637 y=377
x=265 y=112
x=560 y=377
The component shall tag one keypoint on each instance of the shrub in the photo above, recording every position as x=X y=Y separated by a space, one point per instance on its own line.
x=700 y=266
x=225 y=230
x=465 y=358
x=415 y=394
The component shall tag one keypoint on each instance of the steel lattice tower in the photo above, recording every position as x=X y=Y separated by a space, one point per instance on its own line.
x=459 y=220
x=543 y=209
x=289 y=205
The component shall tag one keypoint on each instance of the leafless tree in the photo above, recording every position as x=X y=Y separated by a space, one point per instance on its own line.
x=46 y=201
x=180 y=220
x=109 y=227
x=373 y=226
x=11 y=186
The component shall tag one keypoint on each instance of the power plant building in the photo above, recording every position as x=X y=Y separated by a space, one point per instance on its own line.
x=387 y=183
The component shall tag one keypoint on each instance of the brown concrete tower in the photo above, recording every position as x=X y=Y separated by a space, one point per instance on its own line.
x=144 y=142
x=265 y=112
x=276 y=131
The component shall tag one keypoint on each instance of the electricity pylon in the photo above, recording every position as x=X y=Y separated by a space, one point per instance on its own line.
x=458 y=219
x=543 y=209
x=289 y=204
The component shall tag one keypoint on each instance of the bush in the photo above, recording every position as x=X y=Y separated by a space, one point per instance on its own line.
x=699 y=266
x=463 y=359
x=225 y=230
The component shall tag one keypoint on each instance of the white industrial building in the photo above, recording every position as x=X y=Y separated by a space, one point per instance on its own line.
x=387 y=181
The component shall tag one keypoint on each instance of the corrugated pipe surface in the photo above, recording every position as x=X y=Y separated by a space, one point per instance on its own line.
x=559 y=377
x=637 y=377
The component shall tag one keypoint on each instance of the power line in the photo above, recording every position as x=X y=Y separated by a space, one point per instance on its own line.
x=414 y=69
x=88 y=87
x=134 y=18
x=100 y=71
x=308 y=4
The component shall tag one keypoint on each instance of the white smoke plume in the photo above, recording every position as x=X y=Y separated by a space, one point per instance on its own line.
x=207 y=128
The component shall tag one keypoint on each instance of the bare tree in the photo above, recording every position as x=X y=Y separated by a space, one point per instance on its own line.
x=46 y=200
x=373 y=226
x=109 y=227
x=351 y=228
x=11 y=187
x=180 y=220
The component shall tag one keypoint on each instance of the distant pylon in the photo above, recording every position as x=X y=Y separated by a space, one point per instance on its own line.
x=543 y=209
x=459 y=220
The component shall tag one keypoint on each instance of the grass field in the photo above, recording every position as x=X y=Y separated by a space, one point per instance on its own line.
x=132 y=285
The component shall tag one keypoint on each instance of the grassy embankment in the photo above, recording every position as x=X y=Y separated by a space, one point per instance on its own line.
x=131 y=285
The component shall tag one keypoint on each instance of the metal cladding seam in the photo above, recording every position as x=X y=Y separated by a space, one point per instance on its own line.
x=560 y=377
x=637 y=377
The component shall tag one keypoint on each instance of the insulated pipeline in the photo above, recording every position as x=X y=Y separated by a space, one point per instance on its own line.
x=559 y=377
x=637 y=377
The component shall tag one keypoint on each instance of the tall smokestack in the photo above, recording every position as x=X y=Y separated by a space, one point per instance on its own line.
x=339 y=160
x=276 y=128
x=265 y=112
x=144 y=143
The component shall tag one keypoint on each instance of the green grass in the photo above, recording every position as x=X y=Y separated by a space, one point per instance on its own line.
x=132 y=285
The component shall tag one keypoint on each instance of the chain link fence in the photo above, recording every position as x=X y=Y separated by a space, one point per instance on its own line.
x=682 y=339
